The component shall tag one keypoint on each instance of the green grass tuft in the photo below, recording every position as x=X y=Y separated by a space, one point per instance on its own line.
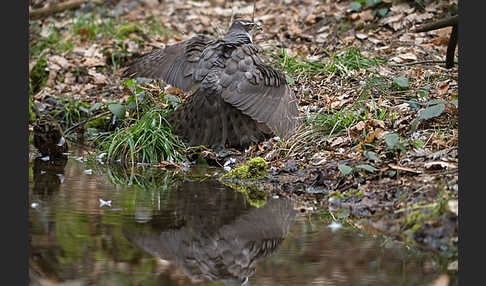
x=340 y=62
x=148 y=140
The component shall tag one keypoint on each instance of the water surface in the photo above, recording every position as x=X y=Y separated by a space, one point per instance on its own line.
x=91 y=224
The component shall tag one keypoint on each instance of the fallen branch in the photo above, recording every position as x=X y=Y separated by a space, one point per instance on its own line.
x=55 y=8
x=417 y=63
x=451 y=46
x=450 y=21
x=85 y=121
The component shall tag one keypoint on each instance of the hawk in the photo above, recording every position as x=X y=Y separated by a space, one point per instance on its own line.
x=235 y=98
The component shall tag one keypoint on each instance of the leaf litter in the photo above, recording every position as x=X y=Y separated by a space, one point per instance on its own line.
x=370 y=139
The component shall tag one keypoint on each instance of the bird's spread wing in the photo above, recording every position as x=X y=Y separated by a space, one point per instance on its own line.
x=173 y=64
x=259 y=91
x=206 y=119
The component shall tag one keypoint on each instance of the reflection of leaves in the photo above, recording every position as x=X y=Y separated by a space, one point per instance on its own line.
x=141 y=177
x=73 y=234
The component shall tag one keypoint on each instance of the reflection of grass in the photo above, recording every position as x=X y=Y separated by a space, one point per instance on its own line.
x=141 y=177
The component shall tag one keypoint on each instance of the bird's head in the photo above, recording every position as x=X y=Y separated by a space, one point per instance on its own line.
x=244 y=26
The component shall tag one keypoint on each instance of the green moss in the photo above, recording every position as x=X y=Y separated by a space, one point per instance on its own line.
x=38 y=76
x=353 y=193
x=336 y=194
x=98 y=123
x=256 y=168
x=415 y=217
x=32 y=109
x=125 y=30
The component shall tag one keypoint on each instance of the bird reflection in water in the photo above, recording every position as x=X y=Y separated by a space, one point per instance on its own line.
x=212 y=233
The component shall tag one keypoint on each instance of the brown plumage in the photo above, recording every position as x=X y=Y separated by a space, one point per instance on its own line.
x=236 y=98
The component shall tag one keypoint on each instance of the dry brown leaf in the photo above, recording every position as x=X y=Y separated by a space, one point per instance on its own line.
x=99 y=78
x=173 y=90
x=93 y=62
x=366 y=15
x=57 y=63
x=357 y=129
x=336 y=141
x=376 y=123
x=339 y=103
x=401 y=8
x=442 y=88
x=361 y=36
x=408 y=57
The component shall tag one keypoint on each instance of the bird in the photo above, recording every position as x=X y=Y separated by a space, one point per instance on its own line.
x=234 y=97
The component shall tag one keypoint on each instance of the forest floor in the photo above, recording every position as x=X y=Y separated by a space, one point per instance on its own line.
x=379 y=143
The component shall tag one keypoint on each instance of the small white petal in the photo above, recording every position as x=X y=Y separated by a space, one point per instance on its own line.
x=104 y=203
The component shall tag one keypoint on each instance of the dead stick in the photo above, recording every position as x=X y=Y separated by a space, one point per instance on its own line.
x=417 y=63
x=51 y=9
x=450 y=21
x=85 y=121
x=451 y=47
x=253 y=15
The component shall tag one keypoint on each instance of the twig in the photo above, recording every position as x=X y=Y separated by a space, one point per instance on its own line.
x=253 y=15
x=417 y=63
x=51 y=9
x=232 y=14
x=450 y=21
x=451 y=46
x=85 y=121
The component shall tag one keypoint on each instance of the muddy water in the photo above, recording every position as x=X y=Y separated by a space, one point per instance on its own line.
x=91 y=224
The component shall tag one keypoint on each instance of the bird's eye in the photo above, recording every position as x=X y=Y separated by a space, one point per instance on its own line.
x=251 y=26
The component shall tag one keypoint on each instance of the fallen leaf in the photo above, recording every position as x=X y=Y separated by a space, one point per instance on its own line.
x=361 y=36
x=366 y=15
x=98 y=77
x=336 y=141
x=408 y=57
